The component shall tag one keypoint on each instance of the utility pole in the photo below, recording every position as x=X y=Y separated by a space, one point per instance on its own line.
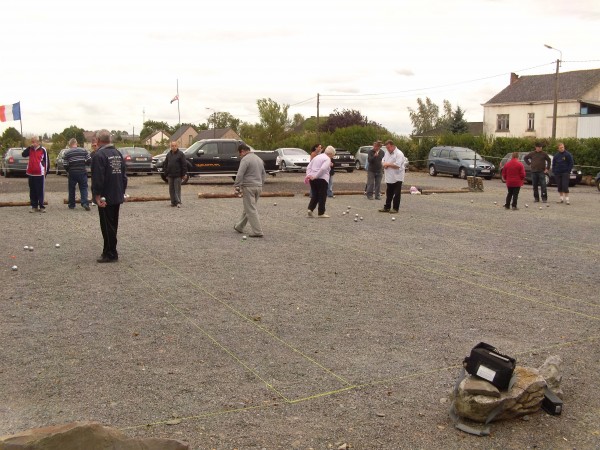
x=318 y=139
x=555 y=108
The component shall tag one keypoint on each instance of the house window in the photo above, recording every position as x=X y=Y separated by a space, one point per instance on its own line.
x=190 y=139
x=502 y=123
x=530 y=122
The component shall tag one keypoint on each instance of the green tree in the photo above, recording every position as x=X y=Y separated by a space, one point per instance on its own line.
x=425 y=117
x=10 y=138
x=458 y=124
x=274 y=122
x=224 y=120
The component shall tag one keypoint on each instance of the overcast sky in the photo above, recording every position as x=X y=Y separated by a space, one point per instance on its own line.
x=113 y=64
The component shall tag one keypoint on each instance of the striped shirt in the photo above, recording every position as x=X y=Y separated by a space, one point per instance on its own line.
x=76 y=159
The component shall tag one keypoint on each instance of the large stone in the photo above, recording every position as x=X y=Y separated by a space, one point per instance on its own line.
x=83 y=435
x=524 y=397
x=551 y=370
x=478 y=386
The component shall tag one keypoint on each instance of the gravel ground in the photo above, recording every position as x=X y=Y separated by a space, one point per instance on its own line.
x=324 y=333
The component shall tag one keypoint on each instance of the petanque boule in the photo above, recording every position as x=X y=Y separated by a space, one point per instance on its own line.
x=274 y=204
x=103 y=199
x=526 y=205
x=356 y=219
x=14 y=268
x=361 y=218
x=540 y=207
x=30 y=248
x=348 y=206
x=26 y=247
x=57 y=245
x=344 y=213
x=355 y=215
x=393 y=218
x=244 y=238
x=495 y=203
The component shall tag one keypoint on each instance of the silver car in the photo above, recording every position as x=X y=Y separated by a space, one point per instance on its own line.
x=361 y=157
x=292 y=159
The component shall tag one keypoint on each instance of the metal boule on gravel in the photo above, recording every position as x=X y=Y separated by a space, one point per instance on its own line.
x=393 y=218
x=26 y=247
x=356 y=219
x=30 y=249
x=57 y=245
x=14 y=268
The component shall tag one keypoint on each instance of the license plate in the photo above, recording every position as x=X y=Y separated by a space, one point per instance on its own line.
x=140 y=159
x=573 y=177
x=345 y=165
x=485 y=171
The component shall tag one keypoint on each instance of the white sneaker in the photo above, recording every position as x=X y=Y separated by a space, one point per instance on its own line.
x=310 y=213
x=324 y=216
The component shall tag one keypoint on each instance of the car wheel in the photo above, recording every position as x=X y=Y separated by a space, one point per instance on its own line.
x=548 y=179
x=432 y=171
x=357 y=165
x=462 y=173
x=488 y=178
x=282 y=166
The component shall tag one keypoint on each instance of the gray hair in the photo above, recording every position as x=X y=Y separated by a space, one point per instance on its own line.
x=73 y=142
x=104 y=137
x=329 y=150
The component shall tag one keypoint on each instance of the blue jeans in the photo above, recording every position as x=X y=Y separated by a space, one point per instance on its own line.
x=539 y=179
x=81 y=180
x=330 y=187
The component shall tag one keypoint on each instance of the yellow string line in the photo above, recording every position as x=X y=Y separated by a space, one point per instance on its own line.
x=355 y=387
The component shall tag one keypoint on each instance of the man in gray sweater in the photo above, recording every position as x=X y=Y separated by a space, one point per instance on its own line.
x=249 y=181
x=540 y=163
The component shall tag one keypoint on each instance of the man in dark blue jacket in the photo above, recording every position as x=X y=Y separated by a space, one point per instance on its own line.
x=109 y=182
x=76 y=160
x=562 y=165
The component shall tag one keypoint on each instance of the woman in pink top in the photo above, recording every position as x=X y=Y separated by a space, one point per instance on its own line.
x=317 y=173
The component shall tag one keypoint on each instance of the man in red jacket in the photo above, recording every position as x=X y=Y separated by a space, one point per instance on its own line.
x=37 y=169
x=514 y=174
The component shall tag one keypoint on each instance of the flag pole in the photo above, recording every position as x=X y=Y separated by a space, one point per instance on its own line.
x=178 y=112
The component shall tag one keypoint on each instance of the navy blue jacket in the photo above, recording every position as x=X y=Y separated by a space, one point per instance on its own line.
x=562 y=162
x=108 y=175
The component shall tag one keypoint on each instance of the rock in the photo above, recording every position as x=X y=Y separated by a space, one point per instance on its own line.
x=551 y=370
x=525 y=397
x=84 y=435
x=477 y=386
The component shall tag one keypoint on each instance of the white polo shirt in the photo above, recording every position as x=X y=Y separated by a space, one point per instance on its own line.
x=397 y=158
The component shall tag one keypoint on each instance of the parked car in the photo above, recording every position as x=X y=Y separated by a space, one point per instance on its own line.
x=137 y=160
x=13 y=163
x=59 y=164
x=597 y=180
x=458 y=162
x=292 y=159
x=158 y=160
x=576 y=174
x=360 y=158
x=344 y=160
x=220 y=157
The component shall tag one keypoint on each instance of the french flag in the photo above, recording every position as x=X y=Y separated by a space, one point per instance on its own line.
x=10 y=112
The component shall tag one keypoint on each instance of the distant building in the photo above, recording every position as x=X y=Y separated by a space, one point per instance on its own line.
x=217 y=133
x=526 y=106
x=184 y=136
x=157 y=138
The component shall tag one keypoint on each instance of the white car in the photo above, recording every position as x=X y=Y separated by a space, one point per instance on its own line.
x=292 y=159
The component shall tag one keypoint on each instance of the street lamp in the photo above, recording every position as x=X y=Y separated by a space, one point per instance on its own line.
x=554 y=112
x=214 y=114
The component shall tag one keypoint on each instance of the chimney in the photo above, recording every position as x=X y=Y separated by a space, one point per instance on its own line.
x=513 y=77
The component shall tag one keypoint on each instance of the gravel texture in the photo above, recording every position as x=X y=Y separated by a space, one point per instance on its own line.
x=325 y=332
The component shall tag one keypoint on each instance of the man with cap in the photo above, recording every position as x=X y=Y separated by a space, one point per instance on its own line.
x=540 y=163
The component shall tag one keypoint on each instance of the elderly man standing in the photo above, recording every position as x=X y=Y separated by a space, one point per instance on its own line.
x=76 y=160
x=249 y=181
x=317 y=173
x=109 y=182
x=394 y=163
x=37 y=169
x=374 y=171
x=175 y=168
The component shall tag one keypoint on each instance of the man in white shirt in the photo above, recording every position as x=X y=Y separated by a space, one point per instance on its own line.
x=393 y=163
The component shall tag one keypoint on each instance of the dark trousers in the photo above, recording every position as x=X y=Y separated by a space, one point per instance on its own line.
x=392 y=195
x=512 y=196
x=36 y=191
x=109 y=223
x=539 y=179
x=319 y=190
x=81 y=180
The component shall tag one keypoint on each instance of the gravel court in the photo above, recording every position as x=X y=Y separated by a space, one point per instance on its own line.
x=351 y=302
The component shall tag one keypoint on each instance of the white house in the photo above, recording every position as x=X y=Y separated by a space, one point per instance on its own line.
x=157 y=138
x=525 y=107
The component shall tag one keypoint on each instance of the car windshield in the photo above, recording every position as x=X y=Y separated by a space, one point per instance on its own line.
x=14 y=152
x=467 y=154
x=294 y=151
